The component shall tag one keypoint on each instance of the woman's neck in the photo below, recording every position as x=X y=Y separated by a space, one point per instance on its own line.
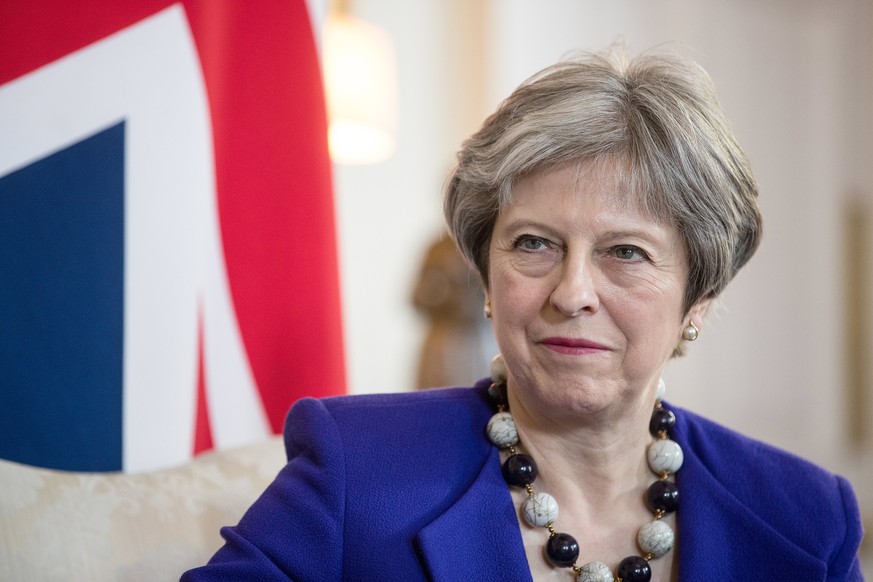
x=601 y=455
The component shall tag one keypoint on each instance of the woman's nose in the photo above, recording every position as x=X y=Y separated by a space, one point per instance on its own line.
x=576 y=291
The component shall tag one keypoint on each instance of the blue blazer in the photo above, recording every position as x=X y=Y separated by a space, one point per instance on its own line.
x=407 y=487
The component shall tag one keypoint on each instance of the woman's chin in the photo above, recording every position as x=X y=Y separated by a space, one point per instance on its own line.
x=579 y=400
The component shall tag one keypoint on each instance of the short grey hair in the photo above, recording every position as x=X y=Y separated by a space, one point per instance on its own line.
x=659 y=113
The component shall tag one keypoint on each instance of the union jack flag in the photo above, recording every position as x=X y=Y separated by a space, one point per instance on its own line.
x=168 y=272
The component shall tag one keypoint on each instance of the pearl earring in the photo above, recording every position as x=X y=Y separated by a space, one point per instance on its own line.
x=690 y=333
x=487 y=310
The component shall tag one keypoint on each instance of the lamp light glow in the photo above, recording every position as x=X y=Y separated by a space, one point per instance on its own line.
x=361 y=88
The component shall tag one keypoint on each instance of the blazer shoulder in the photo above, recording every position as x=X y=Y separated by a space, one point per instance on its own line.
x=726 y=453
x=447 y=408
x=404 y=434
x=806 y=504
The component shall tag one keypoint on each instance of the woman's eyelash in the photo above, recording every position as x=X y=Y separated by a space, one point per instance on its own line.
x=618 y=250
x=521 y=239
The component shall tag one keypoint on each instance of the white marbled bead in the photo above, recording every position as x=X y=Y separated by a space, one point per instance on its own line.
x=594 y=572
x=540 y=509
x=665 y=455
x=662 y=390
x=656 y=538
x=501 y=430
x=498 y=369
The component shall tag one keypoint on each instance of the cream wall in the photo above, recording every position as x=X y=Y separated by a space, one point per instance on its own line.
x=796 y=79
x=388 y=213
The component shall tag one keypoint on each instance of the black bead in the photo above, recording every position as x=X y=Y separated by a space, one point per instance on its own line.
x=519 y=470
x=662 y=419
x=562 y=550
x=663 y=495
x=497 y=395
x=634 y=569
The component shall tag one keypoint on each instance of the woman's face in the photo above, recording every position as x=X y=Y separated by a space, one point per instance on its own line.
x=586 y=291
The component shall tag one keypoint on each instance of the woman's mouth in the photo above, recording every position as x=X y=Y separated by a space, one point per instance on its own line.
x=573 y=346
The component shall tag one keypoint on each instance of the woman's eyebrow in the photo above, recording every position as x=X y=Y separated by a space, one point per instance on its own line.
x=523 y=223
x=649 y=234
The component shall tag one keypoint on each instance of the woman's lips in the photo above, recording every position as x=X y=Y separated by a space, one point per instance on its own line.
x=573 y=346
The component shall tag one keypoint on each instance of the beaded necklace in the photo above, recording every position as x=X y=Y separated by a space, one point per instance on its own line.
x=655 y=539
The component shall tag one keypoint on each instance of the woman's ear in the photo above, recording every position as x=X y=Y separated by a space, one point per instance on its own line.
x=691 y=324
x=698 y=312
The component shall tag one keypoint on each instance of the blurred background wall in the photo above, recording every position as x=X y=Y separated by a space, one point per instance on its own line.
x=786 y=355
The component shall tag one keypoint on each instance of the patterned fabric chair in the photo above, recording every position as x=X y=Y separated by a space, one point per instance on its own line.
x=57 y=525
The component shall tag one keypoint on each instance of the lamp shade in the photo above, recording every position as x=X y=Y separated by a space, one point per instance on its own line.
x=361 y=87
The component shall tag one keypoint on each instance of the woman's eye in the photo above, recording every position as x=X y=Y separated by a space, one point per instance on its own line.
x=530 y=243
x=629 y=253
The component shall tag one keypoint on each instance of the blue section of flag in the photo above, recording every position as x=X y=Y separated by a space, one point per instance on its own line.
x=62 y=307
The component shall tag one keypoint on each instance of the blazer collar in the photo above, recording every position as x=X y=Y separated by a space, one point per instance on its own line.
x=478 y=536
x=719 y=537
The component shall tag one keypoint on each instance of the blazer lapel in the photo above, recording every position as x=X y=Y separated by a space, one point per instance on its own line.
x=721 y=539
x=478 y=537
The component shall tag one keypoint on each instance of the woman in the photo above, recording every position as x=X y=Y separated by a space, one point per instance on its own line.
x=605 y=205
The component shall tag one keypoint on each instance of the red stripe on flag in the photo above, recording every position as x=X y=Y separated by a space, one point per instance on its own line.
x=55 y=28
x=202 y=427
x=274 y=194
